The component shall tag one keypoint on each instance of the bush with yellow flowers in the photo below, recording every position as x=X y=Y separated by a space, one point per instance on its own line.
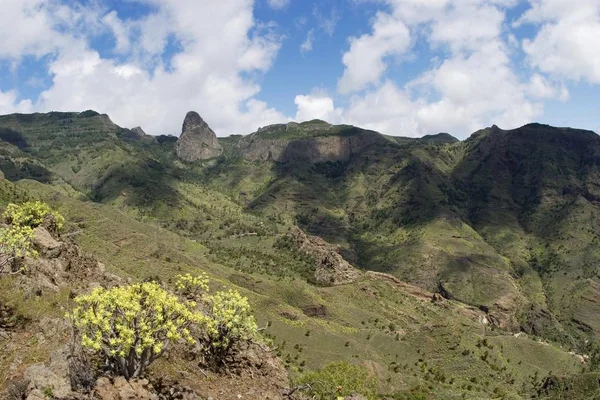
x=15 y=243
x=229 y=324
x=191 y=286
x=31 y=214
x=132 y=326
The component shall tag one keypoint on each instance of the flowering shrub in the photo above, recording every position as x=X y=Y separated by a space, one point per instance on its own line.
x=191 y=286
x=31 y=214
x=15 y=242
x=229 y=323
x=132 y=326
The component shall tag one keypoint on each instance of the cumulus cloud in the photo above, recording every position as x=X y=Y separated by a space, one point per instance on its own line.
x=206 y=75
x=9 y=103
x=566 y=44
x=472 y=84
x=365 y=62
x=317 y=106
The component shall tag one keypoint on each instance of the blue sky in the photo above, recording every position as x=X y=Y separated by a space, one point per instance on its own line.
x=403 y=67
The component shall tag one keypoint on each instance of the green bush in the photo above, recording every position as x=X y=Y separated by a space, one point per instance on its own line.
x=338 y=379
x=15 y=242
x=132 y=326
x=31 y=214
x=191 y=286
x=230 y=323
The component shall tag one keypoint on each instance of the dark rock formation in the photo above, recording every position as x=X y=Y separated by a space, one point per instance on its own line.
x=197 y=140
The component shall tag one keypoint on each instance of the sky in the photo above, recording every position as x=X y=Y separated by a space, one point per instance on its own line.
x=401 y=67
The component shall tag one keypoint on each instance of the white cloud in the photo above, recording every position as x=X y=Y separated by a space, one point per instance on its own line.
x=307 y=45
x=539 y=87
x=9 y=104
x=316 y=106
x=119 y=30
x=278 y=4
x=364 y=61
x=566 y=44
x=207 y=75
x=474 y=85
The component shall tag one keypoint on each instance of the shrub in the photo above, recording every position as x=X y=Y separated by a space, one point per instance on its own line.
x=191 y=286
x=31 y=214
x=229 y=324
x=131 y=326
x=338 y=379
x=15 y=243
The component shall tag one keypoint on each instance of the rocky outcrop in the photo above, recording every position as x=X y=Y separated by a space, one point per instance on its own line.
x=197 y=140
x=313 y=144
x=330 y=266
x=139 y=131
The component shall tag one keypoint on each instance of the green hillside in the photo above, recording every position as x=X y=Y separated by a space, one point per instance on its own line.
x=504 y=226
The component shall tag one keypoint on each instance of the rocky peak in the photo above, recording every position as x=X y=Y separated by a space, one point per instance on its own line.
x=197 y=140
x=139 y=131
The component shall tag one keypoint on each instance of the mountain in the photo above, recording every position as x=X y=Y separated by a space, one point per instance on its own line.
x=352 y=244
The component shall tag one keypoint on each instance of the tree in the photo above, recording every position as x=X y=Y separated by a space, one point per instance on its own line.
x=131 y=326
x=15 y=243
x=31 y=214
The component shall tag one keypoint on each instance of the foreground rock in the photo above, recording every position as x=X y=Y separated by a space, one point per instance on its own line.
x=197 y=140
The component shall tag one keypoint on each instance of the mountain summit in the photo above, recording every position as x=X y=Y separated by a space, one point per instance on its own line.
x=197 y=140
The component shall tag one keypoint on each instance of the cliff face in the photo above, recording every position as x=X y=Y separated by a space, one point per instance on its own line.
x=306 y=144
x=197 y=140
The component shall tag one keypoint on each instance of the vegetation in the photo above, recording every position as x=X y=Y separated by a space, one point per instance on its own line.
x=191 y=286
x=31 y=214
x=504 y=225
x=15 y=243
x=338 y=380
x=230 y=324
x=132 y=326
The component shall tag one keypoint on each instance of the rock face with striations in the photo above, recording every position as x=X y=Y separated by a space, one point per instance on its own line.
x=197 y=140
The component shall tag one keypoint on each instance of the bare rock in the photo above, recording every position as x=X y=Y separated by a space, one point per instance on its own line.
x=121 y=389
x=45 y=243
x=43 y=379
x=197 y=140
